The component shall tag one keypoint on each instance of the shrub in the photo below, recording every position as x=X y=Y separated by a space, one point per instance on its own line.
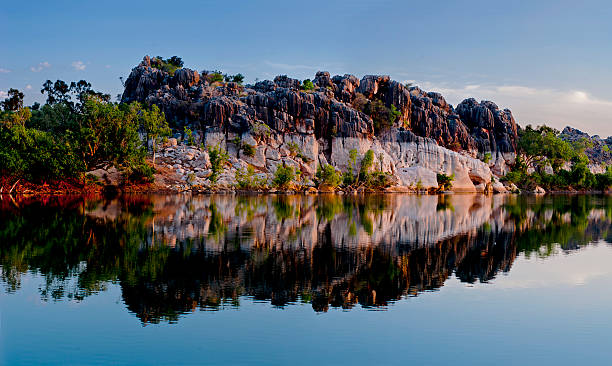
x=249 y=150
x=308 y=85
x=140 y=173
x=218 y=158
x=283 y=176
x=328 y=175
x=169 y=65
x=366 y=164
x=382 y=116
x=348 y=177
x=445 y=182
x=246 y=179
x=486 y=158
x=379 y=180
x=189 y=136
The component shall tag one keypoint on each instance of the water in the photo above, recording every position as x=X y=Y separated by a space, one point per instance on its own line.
x=225 y=280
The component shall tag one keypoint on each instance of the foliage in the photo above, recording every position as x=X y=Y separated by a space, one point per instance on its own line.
x=445 y=182
x=14 y=102
x=169 y=65
x=218 y=158
x=308 y=85
x=366 y=164
x=73 y=95
x=382 y=116
x=36 y=155
x=486 y=158
x=246 y=179
x=249 y=150
x=328 y=175
x=349 y=177
x=140 y=173
x=189 y=136
x=238 y=78
x=155 y=126
x=260 y=129
x=283 y=176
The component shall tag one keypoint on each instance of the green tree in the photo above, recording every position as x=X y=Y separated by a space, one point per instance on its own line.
x=218 y=158
x=14 y=102
x=153 y=122
x=308 y=85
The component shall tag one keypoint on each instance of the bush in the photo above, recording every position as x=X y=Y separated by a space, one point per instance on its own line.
x=308 y=85
x=366 y=164
x=249 y=150
x=328 y=175
x=486 y=158
x=218 y=158
x=445 y=182
x=189 y=136
x=246 y=179
x=382 y=116
x=283 y=176
x=140 y=173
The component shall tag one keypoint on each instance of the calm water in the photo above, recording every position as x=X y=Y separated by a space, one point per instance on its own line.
x=395 y=279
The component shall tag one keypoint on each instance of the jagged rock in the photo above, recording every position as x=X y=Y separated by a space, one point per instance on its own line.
x=599 y=153
x=325 y=124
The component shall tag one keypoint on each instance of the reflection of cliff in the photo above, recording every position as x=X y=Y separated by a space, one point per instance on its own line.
x=173 y=254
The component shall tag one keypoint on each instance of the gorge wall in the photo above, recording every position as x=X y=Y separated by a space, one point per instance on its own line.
x=429 y=136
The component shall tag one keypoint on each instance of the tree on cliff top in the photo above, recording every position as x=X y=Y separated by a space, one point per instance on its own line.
x=14 y=101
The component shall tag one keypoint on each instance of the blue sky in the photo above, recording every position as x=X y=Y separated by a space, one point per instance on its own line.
x=548 y=61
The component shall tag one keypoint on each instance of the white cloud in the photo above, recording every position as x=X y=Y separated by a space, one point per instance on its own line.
x=79 y=65
x=3 y=94
x=28 y=87
x=537 y=105
x=40 y=66
x=4 y=71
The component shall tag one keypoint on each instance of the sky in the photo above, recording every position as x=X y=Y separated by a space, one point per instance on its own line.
x=547 y=61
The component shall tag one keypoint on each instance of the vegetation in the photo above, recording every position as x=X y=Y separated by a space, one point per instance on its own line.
x=283 y=177
x=328 y=175
x=76 y=131
x=382 y=116
x=249 y=150
x=169 y=65
x=539 y=148
x=218 y=158
x=307 y=85
x=246 y=179
x=486 y=158
x=445 y=182
x=155 y=126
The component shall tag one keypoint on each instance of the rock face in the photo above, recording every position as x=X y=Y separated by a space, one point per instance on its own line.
x=599 y=151
x=326 y=123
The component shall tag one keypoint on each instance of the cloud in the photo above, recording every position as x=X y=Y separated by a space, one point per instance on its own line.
x=40 y=67
x=28 y=87
x=79 y=65
x=107 y=66
x=4 y=71
x=3 y=94
x=536 y=105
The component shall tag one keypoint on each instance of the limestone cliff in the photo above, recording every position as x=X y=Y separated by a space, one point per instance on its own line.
x=425 y=136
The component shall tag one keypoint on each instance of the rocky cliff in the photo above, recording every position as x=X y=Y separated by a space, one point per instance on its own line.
x=424 y=136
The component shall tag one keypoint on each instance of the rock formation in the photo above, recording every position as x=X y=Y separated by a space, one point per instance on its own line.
x=427 y=135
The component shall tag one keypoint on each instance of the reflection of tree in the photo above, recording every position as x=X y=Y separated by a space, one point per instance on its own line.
x=79 y=246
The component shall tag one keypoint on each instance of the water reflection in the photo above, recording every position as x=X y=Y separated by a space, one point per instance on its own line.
x=174 y=254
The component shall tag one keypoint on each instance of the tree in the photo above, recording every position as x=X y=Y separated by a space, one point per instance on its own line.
x=154 y=123
x=14 y=101
x=218 y=158
x=366 y=164
x=308 y=85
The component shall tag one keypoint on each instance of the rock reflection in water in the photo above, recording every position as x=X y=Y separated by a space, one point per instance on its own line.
x=173 y=254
